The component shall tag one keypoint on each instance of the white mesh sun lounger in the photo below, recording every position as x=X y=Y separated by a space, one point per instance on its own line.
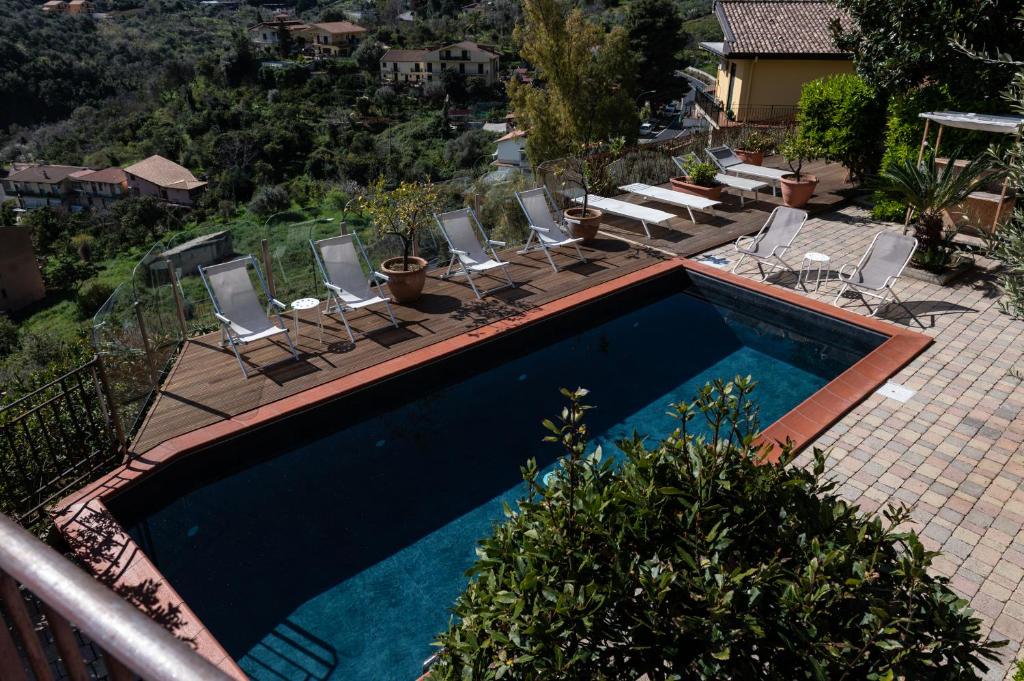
x=628 y=210
x=770 y=244
x=236 y=306
x=545 y=231
x=879 y=268
x=740 y=184
x=465 y=236
x=341 y=260
x=670 y=196
x=728 y=162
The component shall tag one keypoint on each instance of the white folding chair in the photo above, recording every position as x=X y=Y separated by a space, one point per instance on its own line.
x=879 y=268
x=469 y=247
x=548 y=233
x=341 y=260
x=770 y=244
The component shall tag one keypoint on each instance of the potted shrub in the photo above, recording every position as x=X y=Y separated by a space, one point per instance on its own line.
x=930 y=191
x=589 y=170
x=754 y=147
x=401 y=213
x=797 y=150
x=699 y=180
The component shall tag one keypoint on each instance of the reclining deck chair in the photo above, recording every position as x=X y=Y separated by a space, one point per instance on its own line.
x=770 y=244
x=469 y=246
x=549 y=233
x=340 y=260
x=728 y=162
x=237 y=307
x=878 y=269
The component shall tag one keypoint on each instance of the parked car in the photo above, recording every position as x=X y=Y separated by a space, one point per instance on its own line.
x=646 y=128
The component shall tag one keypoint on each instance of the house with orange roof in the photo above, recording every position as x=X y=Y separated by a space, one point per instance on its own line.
x=335 y=38
x=466 y=57
x=100 y=188
x=164 y=179
x=511 y=150
x=81 y=7
x=43 y=185
x=54 y=7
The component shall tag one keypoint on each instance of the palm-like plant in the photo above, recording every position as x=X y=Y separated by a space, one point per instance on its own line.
x=929 y=191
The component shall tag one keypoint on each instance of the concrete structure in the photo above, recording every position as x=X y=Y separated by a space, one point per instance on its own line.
x=21 y=283
x=419 y=66
x=266 y=34
x=335 y=38
x=773 y=47
x=511 y=150
x=100 y=188
x=164 y=179
x=203 y=250
x=43 y=185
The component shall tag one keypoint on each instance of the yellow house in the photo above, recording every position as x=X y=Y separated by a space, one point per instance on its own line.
x=770 y=49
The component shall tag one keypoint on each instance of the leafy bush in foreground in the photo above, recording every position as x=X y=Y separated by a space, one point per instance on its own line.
x=689 y=560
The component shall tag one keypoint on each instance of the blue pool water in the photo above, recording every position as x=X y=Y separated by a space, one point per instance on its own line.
x=338 y=557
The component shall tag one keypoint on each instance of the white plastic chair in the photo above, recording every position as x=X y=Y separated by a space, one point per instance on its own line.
x=770 y=244
x=469 y=246
x=236 y=306
x=878 y=269
x=548 y=233
x=340 y=260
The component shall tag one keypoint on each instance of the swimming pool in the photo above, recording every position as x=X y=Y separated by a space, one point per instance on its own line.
x=335 y=550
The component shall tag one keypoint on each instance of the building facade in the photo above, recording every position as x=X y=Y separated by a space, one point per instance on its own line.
x=42 y=185
x=100 y=188
x=21 y=283
x=335 y=38
x=164 y=179
x=510 y=151
x=419 y=66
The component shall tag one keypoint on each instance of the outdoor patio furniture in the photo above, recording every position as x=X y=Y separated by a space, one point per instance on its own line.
x=817 y=262
x=341 y=261
x=672 y=197
x=545 y=230
x=237 y=307
x=770 y=244
x=728 y=162
x=469 y=246
x=879 y=268
x=740 y=184
x=628 y=210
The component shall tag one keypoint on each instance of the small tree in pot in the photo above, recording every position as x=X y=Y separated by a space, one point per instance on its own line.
x=401 y=213
x=699 y=180
x=754 y=146
x=797 y=150
x=589 y=171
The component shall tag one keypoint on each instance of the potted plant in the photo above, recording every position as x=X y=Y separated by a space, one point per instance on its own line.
x=700 y=180
x=588 y=170
x=753 y=148
x=401 y=213
x=930 y=191
x=797 y=150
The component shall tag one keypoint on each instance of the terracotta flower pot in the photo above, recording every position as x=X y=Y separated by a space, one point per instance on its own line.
x=405 y=285
x=797 y=194
x=584 y=226
x=681 y=185
x=754 y=158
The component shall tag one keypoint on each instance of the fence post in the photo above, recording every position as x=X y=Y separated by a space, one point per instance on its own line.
x=268 y=266
x=145 y=341
x=179 y=304
x=106 y=395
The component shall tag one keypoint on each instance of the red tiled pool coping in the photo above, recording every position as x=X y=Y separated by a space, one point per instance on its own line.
x=100 y=541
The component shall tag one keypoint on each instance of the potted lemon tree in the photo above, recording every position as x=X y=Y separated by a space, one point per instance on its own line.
x=754 y=147
x=798 y=190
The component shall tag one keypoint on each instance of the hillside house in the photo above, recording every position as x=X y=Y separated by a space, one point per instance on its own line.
x=54 y=7
x=418 y=66
x=100 y=188
x=164 y=179
x=20 y=281
x=267 y=34
x=43 y=185
x=770 y=49
x=81 y=7
x=511 y=150
x=335 y=38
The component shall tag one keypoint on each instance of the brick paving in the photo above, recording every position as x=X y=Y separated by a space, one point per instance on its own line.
x=955 y=450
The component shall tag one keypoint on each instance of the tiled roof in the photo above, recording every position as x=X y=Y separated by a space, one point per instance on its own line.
x=45 y=174
x=512 y=135
x=165 y=173
x=786 y=27
x=405 y=55
x=340 y=27
x=107 y=176
x=470 y=45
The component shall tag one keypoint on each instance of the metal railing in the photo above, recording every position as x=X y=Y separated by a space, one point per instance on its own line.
x=55 y=439
x=762 y=114
x=68 y=598
x=709 y=105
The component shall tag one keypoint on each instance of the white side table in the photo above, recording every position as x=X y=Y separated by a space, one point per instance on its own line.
x=307 y=304
x=814 y=261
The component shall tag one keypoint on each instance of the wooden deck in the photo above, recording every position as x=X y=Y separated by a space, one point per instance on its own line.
x=205 y=385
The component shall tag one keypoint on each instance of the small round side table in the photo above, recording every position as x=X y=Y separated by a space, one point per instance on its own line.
x=814 y=261
x=307 y=304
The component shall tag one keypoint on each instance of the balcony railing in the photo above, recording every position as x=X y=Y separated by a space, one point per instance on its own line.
x=36 y=579
x=709 y=105
x=761 y=114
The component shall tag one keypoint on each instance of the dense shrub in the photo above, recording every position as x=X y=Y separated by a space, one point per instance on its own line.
x=8 y=336
x=689 y=560
x=1009 y=242
x=270 y=200
x=64 y=272
x=843 y=115
x=91 y=295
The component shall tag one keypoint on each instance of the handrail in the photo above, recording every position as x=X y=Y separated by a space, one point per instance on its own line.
x=116 y=626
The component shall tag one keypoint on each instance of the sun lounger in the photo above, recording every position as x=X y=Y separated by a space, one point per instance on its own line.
x=662 y=195
x=545 y=231
x=465 y=236
x=628 y=210
x=236 y=306
x=341 y=261
x=770 y=244
x=879 y=268
x=741 y=184
x=729 y=163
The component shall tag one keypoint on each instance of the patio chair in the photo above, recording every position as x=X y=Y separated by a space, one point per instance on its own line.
x=469 y=246
x=340 y=260
x=728 y=162
x=878 y=269
x=548 y=233
x=770 y=244
x=237 y=307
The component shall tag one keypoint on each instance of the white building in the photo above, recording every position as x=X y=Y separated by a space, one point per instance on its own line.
x=511 y=151
x=421 y=66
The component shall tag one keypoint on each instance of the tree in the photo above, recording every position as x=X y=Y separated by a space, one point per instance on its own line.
x=367 y=55
x=587 y=76
x=241 y=65
x=656 y=36
x=402 y=211
x=904 y=44
x=692 y=558
x=270 y=200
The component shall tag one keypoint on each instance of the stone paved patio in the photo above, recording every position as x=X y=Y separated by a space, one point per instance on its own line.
x=955 y=450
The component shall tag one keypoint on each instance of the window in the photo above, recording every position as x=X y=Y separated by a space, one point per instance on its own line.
x=430 y=67
x=732 y=81
x=430 y=78
x=465 y=54
x=479 y=68
x=462 y=68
